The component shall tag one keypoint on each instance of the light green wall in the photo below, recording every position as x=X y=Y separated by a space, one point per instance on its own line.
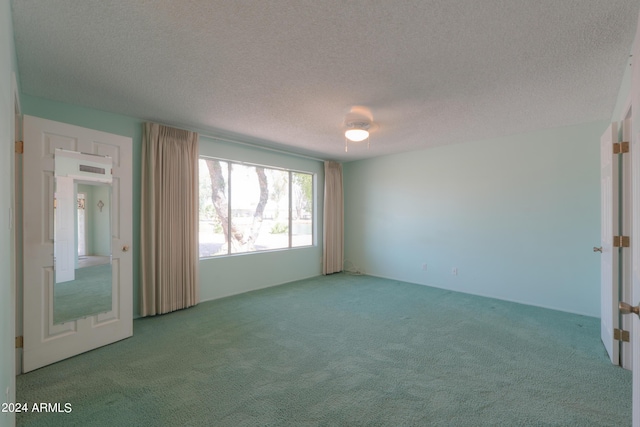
x=101 y=220
x=623 y=101
x=218 y=277
x=7 y=285
x=517 y=216
x=98 y=224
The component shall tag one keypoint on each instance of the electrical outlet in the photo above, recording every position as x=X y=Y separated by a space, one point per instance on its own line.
x=424 y=266
x=454 y=271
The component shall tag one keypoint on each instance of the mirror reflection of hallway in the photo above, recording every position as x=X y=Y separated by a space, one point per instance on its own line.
x=83 y=219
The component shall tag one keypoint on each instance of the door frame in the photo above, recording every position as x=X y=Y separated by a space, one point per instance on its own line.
x=16 y=233
x=610 y=255
x=626 y=229
x=633 y=99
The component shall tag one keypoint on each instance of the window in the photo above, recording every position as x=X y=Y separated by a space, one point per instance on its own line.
x=247 y=208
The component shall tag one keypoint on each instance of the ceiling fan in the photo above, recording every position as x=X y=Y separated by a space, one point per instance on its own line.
x=358 y=124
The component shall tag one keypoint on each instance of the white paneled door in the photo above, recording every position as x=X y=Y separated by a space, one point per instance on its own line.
x=634 y=297
x=609 y=256
x=635 y=189
x=45 y=341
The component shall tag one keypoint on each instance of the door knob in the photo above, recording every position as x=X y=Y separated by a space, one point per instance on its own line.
x=125 y=248
x=628 y=308
x=595 y=249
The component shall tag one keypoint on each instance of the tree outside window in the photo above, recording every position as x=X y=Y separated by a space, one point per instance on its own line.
x=247 y=208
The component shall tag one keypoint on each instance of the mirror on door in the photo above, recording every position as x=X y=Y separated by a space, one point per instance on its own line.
x=82 y=236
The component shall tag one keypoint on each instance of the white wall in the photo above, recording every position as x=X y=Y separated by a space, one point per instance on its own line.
x=7 y=284
x=517 y=216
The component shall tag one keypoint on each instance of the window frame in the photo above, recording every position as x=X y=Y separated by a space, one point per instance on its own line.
x=229 y=184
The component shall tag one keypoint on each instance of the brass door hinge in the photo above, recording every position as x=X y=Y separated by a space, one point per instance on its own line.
x=621 y=147
x=621 y=335
x=19 y=341
x=19 y=147
x=621 y=241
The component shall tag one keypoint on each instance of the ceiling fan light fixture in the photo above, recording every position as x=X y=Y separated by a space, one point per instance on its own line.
x=357 y=125
x=357 y=134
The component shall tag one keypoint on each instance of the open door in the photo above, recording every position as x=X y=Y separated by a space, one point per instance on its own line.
x=65 y=315
x=609 y=194
x=635 y=219
x=634 y=298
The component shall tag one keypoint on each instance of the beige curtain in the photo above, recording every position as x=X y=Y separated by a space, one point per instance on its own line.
x=333 y=230
x=169 y=220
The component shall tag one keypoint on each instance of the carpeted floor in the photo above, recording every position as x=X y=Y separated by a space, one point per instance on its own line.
x=342 y=350
x=88 y=294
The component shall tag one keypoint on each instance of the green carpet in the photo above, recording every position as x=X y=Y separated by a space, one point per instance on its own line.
x=88 y=294
x=342 y=350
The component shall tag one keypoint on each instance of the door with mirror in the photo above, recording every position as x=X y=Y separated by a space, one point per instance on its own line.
x=77 y=231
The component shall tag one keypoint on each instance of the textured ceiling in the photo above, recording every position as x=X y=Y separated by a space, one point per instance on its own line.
x=284 y=73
